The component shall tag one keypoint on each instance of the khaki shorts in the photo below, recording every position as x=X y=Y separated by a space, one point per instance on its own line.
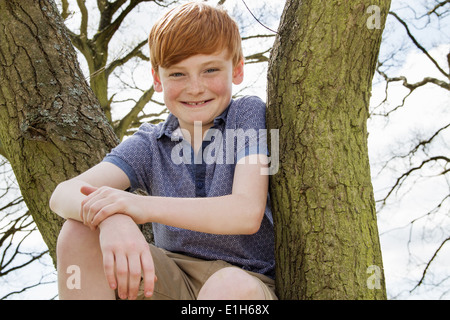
x=181 y=277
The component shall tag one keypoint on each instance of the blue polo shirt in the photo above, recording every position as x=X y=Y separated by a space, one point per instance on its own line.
x=158 y=160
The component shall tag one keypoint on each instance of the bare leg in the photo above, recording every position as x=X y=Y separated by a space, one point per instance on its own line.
x=79 y=255
x=231 y=284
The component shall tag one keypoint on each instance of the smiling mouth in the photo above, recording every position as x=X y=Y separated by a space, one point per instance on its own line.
x=196 y=103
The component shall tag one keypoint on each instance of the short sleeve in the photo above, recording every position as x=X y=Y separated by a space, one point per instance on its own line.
x=251 y=127
x=134 y=157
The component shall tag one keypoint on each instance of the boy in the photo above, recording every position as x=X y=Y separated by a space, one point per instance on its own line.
x=212 y=224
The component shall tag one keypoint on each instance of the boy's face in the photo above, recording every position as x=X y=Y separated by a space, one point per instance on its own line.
x=198 y=88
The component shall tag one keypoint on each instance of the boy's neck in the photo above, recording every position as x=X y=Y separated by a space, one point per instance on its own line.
x=194 y=134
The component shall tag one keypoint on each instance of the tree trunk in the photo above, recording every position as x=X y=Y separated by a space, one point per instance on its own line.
x=51 y=124
x=319 y=85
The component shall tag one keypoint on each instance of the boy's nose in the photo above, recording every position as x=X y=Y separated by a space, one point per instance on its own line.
x=195 y=86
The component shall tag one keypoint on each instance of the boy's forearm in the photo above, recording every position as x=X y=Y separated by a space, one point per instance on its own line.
x=67 y=197
x=231 y=214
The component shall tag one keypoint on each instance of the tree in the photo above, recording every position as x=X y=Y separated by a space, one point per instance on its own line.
x=319 y=85
x=95 y=46
x=107 y=65
x=50 y=118
x=51 y=124
x=95 y=50
x=103 y=69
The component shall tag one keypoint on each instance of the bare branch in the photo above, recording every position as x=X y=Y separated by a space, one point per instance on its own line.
x=417 y=44
x=65 y=9
x=39 y=283
x=258 y=36
x=108 y=28
x=414 y=86
x=257 y=57
x=128 y=119
x=119 y=62
x=406 y=84
x=429 y=263
x=405 y=175
x=84 y=18
x=436 y=7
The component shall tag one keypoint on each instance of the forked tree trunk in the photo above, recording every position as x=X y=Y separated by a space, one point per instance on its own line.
x=319 y=86
x=52 y=128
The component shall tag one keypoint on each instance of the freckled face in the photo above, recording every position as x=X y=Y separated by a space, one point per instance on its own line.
x=198 y=88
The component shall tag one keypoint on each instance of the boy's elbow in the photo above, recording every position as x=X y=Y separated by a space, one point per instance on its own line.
x=252 y=229
x=53 y=202
x=254 y=223
x=57 y=199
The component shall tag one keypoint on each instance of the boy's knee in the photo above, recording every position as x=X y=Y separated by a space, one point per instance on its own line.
x=72 y=234
x=231 y=283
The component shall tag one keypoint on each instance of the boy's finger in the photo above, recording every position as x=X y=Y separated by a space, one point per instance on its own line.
x=122 y=276
x=87 y=190
x=89 y=209
x=108 y=265
x=148 y=271
x=107 y=209
x=134 y=268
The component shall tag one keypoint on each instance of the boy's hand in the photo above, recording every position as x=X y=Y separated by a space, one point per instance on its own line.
x=126 y=257
x=104 y=202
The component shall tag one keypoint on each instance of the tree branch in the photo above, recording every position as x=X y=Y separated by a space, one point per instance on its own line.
x=405 y=175
x=257 y=57
x=119 y=62
x=121 y=129
x=84 y=18
x=429 y=263
x=410 y=86
x=107 y=28
x=436 y=7
x=65 y=9
x=417 y=44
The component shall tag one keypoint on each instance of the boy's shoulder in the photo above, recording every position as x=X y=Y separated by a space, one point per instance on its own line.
x=248 y=102
x=247 y=110
x=156 y=131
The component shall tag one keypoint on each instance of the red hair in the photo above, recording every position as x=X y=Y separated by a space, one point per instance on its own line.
x=190 y=29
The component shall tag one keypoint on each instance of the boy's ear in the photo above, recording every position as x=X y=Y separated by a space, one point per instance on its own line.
x=157 y=85
x=238 y=73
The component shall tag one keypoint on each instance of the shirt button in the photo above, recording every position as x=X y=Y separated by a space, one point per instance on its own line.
x=200 y=185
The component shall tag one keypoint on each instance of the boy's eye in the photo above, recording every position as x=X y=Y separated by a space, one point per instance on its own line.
x=176 y=74
x=211 y=70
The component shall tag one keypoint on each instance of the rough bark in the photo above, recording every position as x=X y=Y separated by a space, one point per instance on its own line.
x=319 y=86
x=51 y=124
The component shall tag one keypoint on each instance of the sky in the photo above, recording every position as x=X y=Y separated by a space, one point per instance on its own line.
x=405 y=249
x=412 y=202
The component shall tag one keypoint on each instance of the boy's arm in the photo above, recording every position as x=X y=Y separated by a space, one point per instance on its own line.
x=66 y=198
x=238 y=213
x=130 y=255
